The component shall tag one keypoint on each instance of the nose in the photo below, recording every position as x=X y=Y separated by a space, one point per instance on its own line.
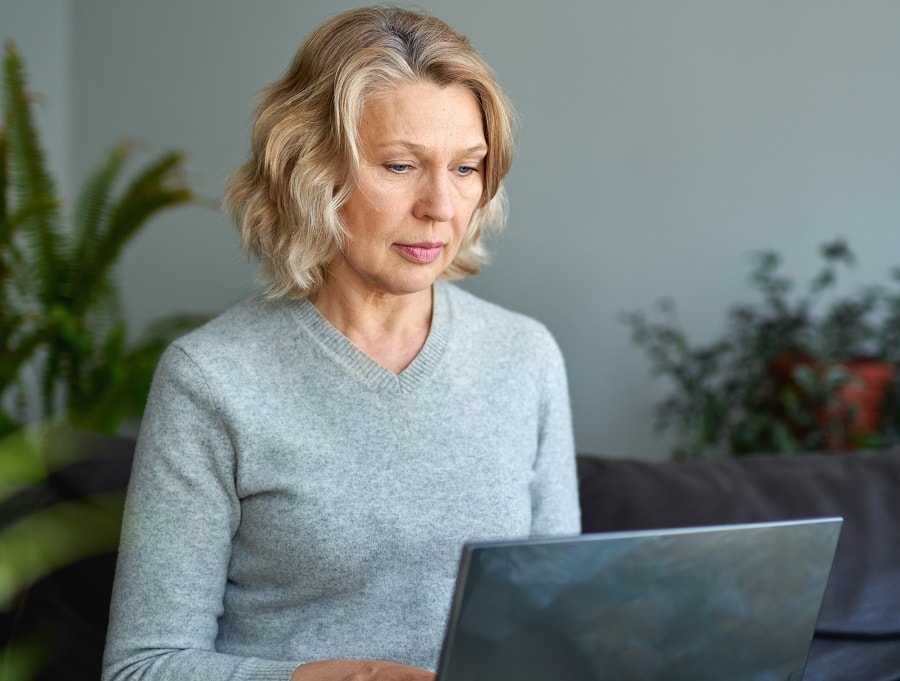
x=435 y=200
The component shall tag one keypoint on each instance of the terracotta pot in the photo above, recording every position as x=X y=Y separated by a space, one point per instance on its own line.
x=865 y=393
x=857 y=405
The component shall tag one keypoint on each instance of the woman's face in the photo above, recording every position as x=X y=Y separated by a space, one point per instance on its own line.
x=422 y=150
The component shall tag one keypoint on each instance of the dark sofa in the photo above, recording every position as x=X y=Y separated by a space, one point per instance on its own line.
x=858 y=633
x=62 y=619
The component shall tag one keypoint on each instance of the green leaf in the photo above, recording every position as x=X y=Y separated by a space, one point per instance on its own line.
x=49 y=539
x=156 y=188
x=22 y=659
x=28 y=174
x=90 y=215
x=5 y=226
x=61 y=319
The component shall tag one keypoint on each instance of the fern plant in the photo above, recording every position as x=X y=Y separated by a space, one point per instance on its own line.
x=65 y=349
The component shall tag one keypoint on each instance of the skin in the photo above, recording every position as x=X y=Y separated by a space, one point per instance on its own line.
x=420 y=181
x=359 y=670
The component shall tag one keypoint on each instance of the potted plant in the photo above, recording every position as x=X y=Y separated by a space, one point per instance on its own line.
x=793 y=371
x=65 y=349
x=67 y=365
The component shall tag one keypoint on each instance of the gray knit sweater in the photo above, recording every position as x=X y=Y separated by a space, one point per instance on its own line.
x=292 y=500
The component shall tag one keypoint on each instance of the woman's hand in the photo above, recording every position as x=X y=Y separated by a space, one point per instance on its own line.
x=359 y=670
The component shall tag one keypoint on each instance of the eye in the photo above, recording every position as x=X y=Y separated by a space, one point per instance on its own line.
x=398 y=168
x=467 y=170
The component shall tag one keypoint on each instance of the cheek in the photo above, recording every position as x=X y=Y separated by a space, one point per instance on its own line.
x=360 y=214
x=374 y=207
x=471 y=207
x=371 y=227
x=474 y=197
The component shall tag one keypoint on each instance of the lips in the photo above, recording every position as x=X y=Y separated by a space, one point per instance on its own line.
x=424 y=252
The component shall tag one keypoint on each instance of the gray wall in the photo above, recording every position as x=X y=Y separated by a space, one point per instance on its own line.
x=662 y=142
x=41 y=32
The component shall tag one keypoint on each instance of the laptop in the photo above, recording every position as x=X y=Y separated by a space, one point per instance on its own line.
x=722 y=603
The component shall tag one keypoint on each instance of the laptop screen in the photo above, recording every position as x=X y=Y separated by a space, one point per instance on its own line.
x=700 y=604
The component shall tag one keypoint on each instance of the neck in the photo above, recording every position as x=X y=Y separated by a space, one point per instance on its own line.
x=390 y=329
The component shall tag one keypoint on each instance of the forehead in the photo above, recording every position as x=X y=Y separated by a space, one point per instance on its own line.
x=423 y=114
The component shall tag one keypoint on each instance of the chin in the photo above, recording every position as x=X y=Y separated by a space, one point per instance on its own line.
x=411 y=286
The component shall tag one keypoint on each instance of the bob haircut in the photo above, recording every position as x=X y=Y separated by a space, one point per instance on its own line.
x=286 y=199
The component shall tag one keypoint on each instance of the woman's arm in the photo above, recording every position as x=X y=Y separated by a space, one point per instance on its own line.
x=180 y=517
x=554 y=490
x=359 y=670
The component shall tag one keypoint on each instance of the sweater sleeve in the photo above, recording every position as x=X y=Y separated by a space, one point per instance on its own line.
x=555 y=508
x=181 y=513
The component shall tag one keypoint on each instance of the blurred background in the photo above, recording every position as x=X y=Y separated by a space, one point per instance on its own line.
x=662 y=143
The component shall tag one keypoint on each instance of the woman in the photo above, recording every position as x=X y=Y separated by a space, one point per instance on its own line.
x=311 y=462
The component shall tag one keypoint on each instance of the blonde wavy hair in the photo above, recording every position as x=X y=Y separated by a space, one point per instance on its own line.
x=286 y=199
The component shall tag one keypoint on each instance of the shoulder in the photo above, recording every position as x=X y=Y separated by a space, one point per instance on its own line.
x=244 y=339
x=487 y=325
x=240 y=352
x=487 y=317
x=244 y=327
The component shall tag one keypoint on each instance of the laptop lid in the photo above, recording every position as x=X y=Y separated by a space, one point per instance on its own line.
x=736 y=602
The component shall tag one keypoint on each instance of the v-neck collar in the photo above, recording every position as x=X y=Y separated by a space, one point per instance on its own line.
x=366 y=370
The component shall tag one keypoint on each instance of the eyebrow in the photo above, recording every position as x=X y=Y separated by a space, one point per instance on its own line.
x=413 y=147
